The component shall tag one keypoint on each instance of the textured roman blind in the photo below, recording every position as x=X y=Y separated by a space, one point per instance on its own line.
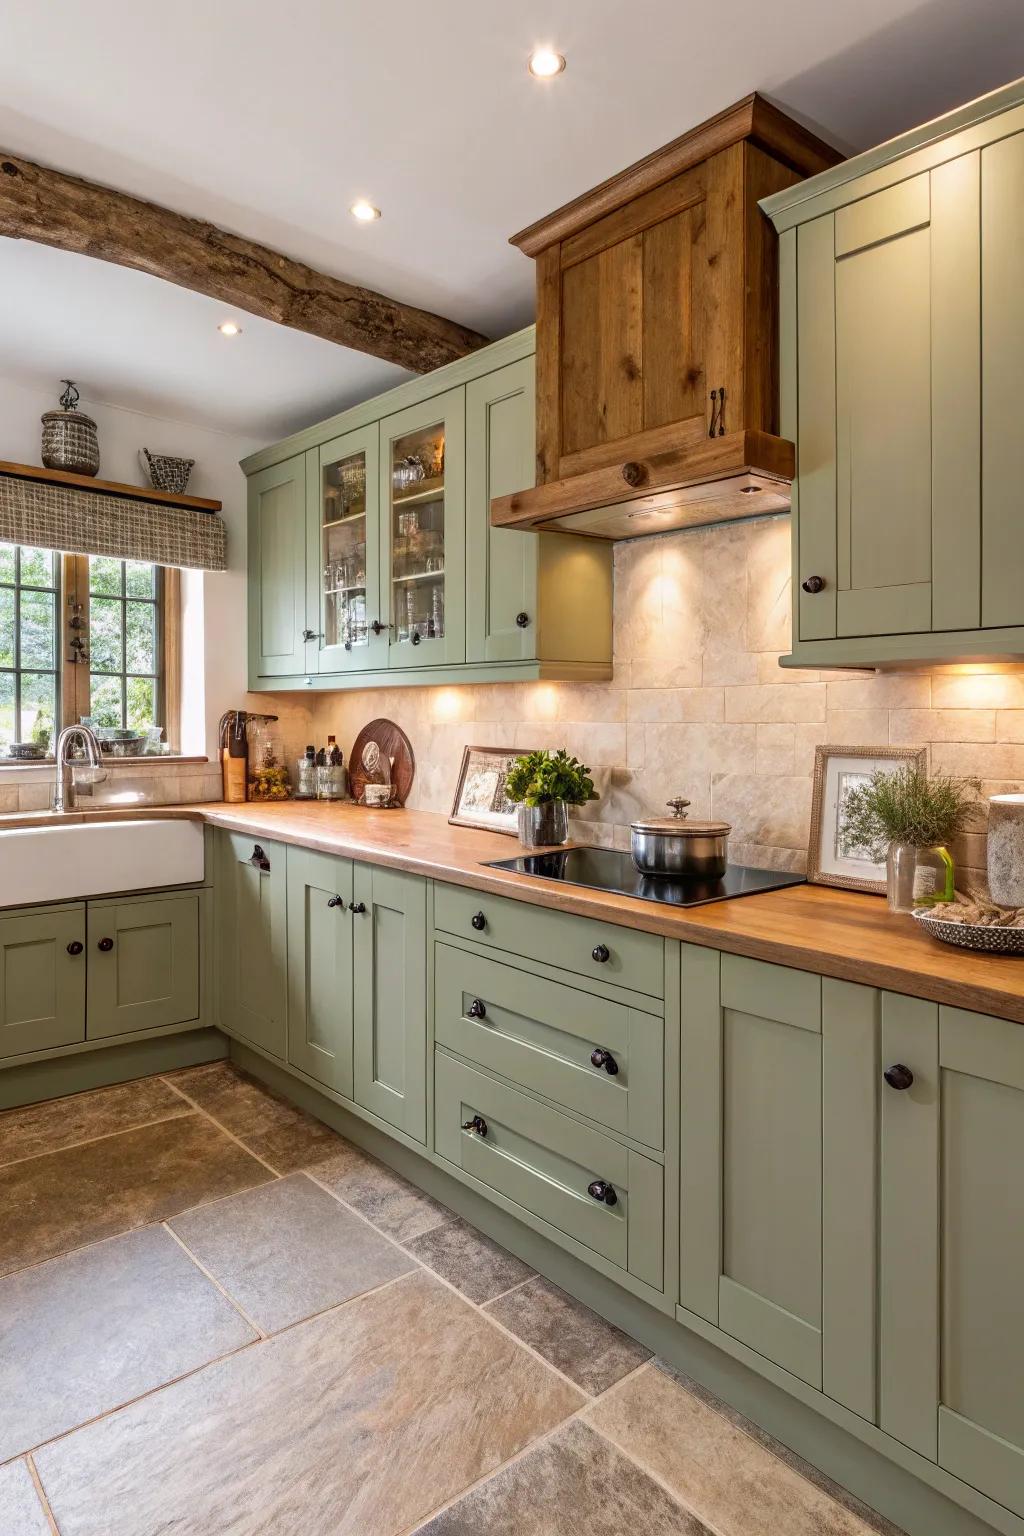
x=87 y=522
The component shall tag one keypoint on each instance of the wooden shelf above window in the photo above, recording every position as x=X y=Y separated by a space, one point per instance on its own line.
x=106 y=487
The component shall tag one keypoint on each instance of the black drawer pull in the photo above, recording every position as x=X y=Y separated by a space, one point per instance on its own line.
x=478 y=921
x=601 y=953
x=599 y=1057
x=259 y=859
x=814 y=585
x=75 y=947
x=336 y=901
x=106 y=945
x=477 y=1009
x=600 y=1189
x=358 y=907
x=476 y=1127
x=898 y=1076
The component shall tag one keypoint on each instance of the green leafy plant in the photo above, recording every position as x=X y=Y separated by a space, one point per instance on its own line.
x=538 y=777
x=906 y=806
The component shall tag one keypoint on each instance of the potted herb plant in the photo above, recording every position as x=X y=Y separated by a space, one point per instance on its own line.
x=545 y=784
x=909 y=820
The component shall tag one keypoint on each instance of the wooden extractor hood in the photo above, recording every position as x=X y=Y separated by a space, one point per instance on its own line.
x=657 y=337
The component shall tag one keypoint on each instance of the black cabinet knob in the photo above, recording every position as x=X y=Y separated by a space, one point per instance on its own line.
x=416 y=637
x=358 y=907
x=479 y=921
x=476 y=1127
x=106 y=945
x=75 y=947
x=598 y=1189
x=814 y=584
x=602 y=1058
x=522 y=619
x=898 y=1076
x=601 y=953
x=336 y=901
x=476 y=1009
x=259 y=859
x=311 y=634
x=379 y=628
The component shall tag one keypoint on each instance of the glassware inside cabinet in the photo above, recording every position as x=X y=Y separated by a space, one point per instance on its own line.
x=417 y=535
x=343 y=551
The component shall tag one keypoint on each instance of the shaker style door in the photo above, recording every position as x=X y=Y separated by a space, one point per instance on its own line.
x=143 y=964
x=778 y=1170
x=344 y=555
x=423 y=551
x=389 y=935
x=952 y=1243
x=42 y=980
x=251 y=907
x=277 y=569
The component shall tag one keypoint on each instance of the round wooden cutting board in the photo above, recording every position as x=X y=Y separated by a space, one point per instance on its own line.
x=396 y=760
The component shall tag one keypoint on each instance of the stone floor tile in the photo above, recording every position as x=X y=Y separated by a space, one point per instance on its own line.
x=62 y=1200
x=39 y=1128
x=287 y=1250
x=381 y=1195
x=362 y=1420
x=21 y=1513
x=583 y=1346
x=280 y=1133
x=732 y=1481
x=475 y=1265
x=571 y=1484
x=87 y=1332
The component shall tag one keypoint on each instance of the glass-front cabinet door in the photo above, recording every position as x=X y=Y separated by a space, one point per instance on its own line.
x=345 y=566
x=423 y=574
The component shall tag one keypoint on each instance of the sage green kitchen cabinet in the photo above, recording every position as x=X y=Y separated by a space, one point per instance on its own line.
x=42 y=979
x=143 y=966
x=952 y=1243
x=320 y=967
x=343 y=557
x=389 y=936
x=279 y=631
x=902 y=322
x=251 y=927
x=778 y=1169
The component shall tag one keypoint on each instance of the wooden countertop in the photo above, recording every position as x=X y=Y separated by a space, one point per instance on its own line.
x=812 y=927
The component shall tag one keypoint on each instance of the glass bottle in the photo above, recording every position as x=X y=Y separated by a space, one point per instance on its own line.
x=306 y=777
x=918 y=877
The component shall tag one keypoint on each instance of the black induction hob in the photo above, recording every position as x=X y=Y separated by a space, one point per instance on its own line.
x=603 y=869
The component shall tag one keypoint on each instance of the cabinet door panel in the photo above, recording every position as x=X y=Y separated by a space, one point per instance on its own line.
x=673 y=344
x=390 y=1012
x=277 y=569
x=149 y=976
x=343 y=558
x=320 y=967
x=815 y=326
x=251 y=906
x=1002 y=240
x=501 y=565
x=42 y=986
x=601 y=364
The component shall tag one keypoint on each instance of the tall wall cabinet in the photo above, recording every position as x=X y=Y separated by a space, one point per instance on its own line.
x=902 y=317
x=372 y=559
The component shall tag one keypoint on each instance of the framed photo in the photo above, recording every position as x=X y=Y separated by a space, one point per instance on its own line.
x=837 y=770
x=480 y=799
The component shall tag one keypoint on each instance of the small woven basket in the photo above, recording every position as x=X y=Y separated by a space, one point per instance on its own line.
x=69 y=437
x=166 y=473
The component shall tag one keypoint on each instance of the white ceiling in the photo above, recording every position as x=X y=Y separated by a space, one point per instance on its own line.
x=271 y=120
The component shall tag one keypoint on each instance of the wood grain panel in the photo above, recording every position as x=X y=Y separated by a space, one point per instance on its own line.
x=673 y=339
x=722 y=286
x=548 y=365
x=602 y=347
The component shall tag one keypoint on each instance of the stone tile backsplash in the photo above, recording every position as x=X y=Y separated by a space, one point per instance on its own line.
x=699 y=706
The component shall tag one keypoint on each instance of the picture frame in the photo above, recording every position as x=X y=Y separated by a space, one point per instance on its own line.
x=480 y=801
x=838 y=769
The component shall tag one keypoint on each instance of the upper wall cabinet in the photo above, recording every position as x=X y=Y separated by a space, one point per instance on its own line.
x=372 y=559
x=657 y=361
x=902 y=320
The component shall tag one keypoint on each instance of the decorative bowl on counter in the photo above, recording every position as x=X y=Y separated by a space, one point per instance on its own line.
x=990 y=937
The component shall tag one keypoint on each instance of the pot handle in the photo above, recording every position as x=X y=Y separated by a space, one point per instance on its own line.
x=678 y=807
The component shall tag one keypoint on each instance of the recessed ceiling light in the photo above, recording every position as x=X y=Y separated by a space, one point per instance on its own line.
x=230 y=328
x=545 y=63
x=363 y=211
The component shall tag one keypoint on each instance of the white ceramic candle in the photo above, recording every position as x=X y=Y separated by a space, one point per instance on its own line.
x=1006 y=850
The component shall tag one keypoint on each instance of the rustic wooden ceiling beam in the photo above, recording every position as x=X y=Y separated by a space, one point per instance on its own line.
x=37 y=203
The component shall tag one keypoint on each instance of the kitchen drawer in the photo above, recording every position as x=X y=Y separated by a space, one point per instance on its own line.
x=585 y=945
x=541 y=1034
x=544 y=1162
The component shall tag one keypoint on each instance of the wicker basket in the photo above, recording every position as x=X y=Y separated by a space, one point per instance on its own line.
x=70 y=442
x=166 y=473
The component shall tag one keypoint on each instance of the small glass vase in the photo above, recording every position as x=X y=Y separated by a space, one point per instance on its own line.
x=545 y=825
x=917 y=877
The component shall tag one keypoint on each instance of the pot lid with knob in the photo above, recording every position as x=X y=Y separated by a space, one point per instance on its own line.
x=679 y=825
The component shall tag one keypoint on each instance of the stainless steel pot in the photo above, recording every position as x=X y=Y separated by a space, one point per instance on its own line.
x=671 y=845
